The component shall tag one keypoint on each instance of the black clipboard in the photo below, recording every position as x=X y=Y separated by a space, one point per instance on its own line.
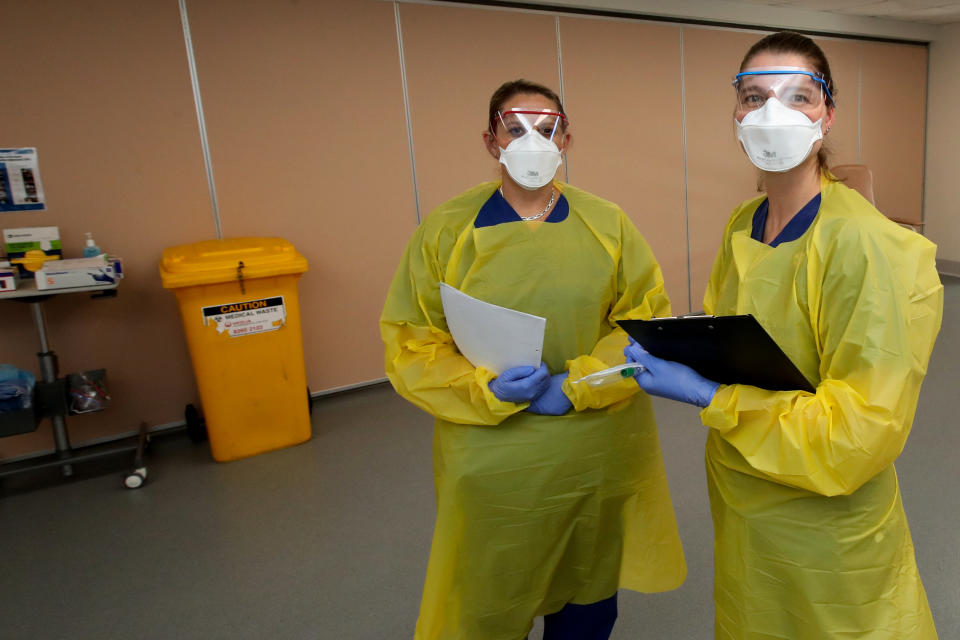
x=725 y=349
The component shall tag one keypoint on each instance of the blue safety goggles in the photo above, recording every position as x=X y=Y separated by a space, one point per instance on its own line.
x=795 y=88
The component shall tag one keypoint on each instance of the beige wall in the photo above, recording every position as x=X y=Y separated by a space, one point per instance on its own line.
x=941 y=203
x=718 y=173
x=305 y=115
x=103 y=92
x=451 y=71
x=844 y=56
x=307 y=125
x=628 y=129
x=894 y=109
x=759 y=14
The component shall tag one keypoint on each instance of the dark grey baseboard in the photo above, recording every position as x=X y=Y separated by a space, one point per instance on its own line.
x=948 y=267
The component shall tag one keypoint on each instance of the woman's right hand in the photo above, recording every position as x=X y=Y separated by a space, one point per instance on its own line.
x=668 y=379
x=520 y=384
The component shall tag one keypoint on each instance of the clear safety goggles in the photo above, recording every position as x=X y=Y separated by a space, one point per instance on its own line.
x=518 y=122
x=795 y=88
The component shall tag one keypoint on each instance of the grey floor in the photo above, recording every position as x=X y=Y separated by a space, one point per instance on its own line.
x=330 y=539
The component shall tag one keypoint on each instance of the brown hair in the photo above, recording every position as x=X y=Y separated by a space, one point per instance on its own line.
x=792 y=42
x=515 y=87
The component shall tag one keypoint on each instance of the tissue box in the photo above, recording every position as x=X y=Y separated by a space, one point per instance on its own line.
x=81 y=272
x=19 y=241
x=8 y=279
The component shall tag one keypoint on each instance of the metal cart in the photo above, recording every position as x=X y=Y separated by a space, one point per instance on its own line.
x=51 y=400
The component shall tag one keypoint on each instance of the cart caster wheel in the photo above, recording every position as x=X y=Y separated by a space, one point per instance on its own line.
x=136 y=479
x=196 y=427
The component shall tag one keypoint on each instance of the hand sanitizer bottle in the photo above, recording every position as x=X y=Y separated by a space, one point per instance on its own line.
x=91 y=250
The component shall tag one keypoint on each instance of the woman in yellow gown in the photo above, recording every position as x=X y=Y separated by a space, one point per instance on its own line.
x=810 y=537
x=550 y=495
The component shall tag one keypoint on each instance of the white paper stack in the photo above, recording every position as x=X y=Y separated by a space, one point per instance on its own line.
x=492 y=337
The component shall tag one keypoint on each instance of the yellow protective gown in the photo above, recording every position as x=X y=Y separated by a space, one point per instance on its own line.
x=811 y=540
x=533 y=511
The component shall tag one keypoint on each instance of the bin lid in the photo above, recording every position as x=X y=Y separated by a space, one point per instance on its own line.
x=213 y=261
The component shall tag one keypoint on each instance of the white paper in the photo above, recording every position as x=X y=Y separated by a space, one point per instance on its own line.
x=492 y=337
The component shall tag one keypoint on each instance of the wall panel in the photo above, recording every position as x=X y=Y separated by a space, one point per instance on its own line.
x=304 y=108
x=894 y=109
x=719 y=175
x=622 y=92
x=941 y=206
x=456 y=58
x=843 y=139
x=103 y=92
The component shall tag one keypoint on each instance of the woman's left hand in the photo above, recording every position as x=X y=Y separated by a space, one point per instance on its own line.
x=669 y=379
x=553 y=401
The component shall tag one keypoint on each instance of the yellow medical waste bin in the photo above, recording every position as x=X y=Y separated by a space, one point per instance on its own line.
x=241 y=314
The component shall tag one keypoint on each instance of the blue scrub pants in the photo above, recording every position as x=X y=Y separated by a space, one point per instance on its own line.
x=582 y=621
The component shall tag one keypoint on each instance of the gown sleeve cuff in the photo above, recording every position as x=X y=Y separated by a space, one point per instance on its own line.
x=583 y=396
x=719 y=414
x=498 y=407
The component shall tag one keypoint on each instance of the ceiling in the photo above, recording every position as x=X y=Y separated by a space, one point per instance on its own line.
x=925 y=11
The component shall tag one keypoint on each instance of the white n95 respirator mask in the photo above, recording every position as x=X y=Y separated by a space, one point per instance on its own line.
x=531 y=160
x=777 y=138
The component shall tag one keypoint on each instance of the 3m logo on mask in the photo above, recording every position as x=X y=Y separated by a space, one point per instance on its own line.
x=533 y=174
x=770 y=155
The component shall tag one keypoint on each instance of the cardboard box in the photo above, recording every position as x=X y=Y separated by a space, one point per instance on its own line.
x=19 y=241
x=8 y=277
x=81 y=272
x=117 y=263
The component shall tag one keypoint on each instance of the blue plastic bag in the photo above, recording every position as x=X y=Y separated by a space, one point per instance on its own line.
x=16 y=388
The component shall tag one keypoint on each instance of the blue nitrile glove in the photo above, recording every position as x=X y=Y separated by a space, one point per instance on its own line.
x=520 y=384
x=669 y=379
x=553 y=401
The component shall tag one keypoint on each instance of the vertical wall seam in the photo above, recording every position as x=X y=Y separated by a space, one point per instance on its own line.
x=859 y=104
x=923 y=163
x=686 y=188
x=201 y=121
x=563 y=99
x=406 y=108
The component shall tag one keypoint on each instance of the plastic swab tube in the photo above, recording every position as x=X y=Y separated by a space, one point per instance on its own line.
x=608 y=376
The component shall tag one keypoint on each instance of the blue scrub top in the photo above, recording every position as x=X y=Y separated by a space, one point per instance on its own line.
x=797 y=226
x=497 y=210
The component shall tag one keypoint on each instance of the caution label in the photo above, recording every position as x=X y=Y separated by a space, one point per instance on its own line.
x=247 y=318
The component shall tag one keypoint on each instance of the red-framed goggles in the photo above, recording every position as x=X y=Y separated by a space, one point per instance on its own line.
x=519 y=122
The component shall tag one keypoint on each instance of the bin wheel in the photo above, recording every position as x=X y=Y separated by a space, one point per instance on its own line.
x=196 y=427
x=309 y=402
x=135 y=479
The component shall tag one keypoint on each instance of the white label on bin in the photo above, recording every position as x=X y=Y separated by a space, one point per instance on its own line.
x=246 y=318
